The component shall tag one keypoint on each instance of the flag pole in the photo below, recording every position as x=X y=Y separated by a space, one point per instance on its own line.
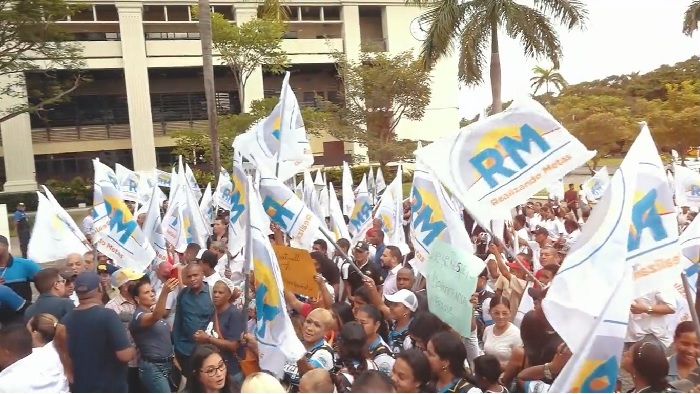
x=345 y=257
x=248 y=250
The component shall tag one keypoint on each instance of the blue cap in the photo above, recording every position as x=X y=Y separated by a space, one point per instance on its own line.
x=86 y=282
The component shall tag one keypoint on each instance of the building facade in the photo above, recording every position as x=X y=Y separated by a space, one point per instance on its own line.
x=144 y=61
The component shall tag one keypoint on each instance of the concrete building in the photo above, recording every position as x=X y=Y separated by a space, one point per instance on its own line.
x=144 y=61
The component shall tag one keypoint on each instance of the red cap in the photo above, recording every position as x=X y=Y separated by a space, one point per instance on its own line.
x=524 y=262
x=370 y=232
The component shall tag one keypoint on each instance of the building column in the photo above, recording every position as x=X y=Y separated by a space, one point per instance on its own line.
x=137 y=89
x=254 y=88
x=18 y=151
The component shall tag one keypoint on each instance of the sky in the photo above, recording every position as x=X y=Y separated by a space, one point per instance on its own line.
x=621 y=37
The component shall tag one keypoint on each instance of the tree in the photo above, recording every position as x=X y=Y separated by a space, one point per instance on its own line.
x=245 y=47
x=230 y=126
x=379 y=90
x=28 y=31
x=205 y=37
x=603 y=123
x=691 y=18
x=545 y=77
x=675 y=122
x=476 y=24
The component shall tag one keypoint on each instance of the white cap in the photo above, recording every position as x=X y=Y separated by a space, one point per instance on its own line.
x=405 y=297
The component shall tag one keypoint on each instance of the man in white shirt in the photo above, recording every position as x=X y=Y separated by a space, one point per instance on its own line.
x=391 y=259
x=649 y=318
x=89 y=225
x=207 y=259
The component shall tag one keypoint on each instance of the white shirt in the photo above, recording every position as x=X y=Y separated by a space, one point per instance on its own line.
x=555 y=227
x=501 y=346
x=211 y=281
x=74 y=297
x=39 y=372
x=571 y=237
x=88 y=225
x=389 y=287
x=491 y=282
x=236 y=266
x=582 y=197
x=657 y=325
x=533 y=222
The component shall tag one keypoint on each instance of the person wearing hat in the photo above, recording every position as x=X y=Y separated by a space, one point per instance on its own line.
x=355 y=279
x=94 y=339
x=51 y=285
x=108 y=291
x=22 y=227
x=17 y=273
x=69 y=276
x=125 y=306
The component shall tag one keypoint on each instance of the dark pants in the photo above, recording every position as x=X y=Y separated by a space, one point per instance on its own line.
x=23 y=245
x=134 y=381
x=184 y=362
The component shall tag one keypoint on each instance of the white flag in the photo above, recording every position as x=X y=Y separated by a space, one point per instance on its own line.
x=52 y=237
x=687 y=184
x=595 y=186
x=347 y=190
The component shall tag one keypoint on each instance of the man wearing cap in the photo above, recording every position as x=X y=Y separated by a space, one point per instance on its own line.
x=354 y=278
x=16 y=273
x=93 y=338
x=69 y=277
x=51 y=285
x=123 y=303
x=106 y=288
x=22 y=227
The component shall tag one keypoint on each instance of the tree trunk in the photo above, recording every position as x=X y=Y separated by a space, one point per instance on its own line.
x=209 y=87
x=496 y=103
x=241 y=92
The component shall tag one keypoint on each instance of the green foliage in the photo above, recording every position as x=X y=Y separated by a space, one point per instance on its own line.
x=691 y=18
x=547 y=77
x=230 y=126
x=68 y=194
x=28 y=31
x=379 y=90
x=246 y=46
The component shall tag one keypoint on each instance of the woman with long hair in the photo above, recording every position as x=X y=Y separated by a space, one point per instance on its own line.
x=352 y=355
x=647 y=364
x=424 y=326
x=411 y=372
x=447 y=356
x=151 y=334
x=501 y=337
x=50 y=375
x=208 y=372
x=377 y=331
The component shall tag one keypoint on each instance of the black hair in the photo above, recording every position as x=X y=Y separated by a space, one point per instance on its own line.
x=199 y=354
x=329 y=270
x=352 y=352
x=45 y=279
x=343 y=243
x=136 y=288
x=17 y=340
x=418 y=361
x=448 y=346
x=539 y=346
x=683 y=327
x=344 y=312
x=553 y=268
x=322 y=243
x=365 y=293
x=375 y=314
x=372 y=381
x=395 y=253
x=424 y=325
x=650 y=363
x=487 y=367
x=499 y=300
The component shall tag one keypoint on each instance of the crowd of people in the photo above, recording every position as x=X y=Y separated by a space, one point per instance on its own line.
x=186 y=326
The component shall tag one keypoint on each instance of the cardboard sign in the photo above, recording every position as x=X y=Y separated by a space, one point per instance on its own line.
x=298 y=270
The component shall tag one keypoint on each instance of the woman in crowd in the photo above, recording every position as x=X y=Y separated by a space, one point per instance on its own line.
x=501 y=337
x=261 y=382
x=411 y=372
x=487 y=370
x=686 y=352
x=51 y=374
x=352 y=355
x=227 y=327
x=376 y=330
x=342 y=314
x=447 y=356
x=208 y=372
x=402 y=305
x=362 y=296
x=319 y=354
x=647 y=364
x=423 y=326
x=151 y=334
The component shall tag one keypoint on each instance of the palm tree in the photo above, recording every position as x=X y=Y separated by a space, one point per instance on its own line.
x=545 y=77
x=205 y=36
x=475 y=24
x=691 y=18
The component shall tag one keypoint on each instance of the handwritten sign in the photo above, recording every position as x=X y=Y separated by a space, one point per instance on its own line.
x=452 y=276
x=298 y=270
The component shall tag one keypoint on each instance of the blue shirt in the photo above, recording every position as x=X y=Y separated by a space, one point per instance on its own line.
x=10 y=300
x=194 y=312
x=20 y=218
x=18 y=273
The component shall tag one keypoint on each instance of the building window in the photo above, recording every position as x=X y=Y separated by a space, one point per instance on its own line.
x=106 y=13
x=331 y=13
x=154 y=13
x=84 y=14
x=178 y=13
x=225 y=10
x=172 y=36
x=310 y=13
